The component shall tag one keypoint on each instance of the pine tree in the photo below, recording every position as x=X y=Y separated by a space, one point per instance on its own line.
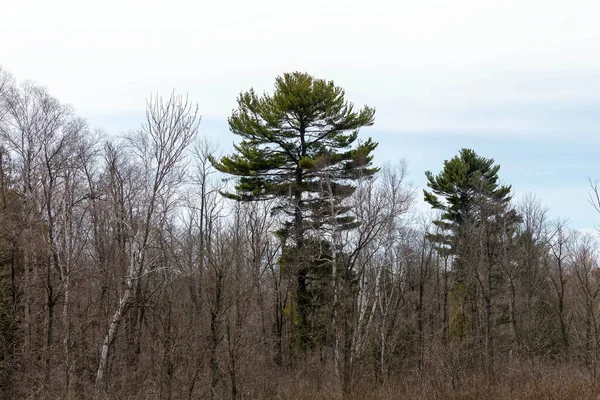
x=300 y=146
x=467 y=183
x=477 y=228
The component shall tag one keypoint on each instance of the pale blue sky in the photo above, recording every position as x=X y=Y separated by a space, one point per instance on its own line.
x=517 y=81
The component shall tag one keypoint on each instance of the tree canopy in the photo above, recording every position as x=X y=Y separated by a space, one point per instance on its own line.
x=299 y=145
x=466 y=183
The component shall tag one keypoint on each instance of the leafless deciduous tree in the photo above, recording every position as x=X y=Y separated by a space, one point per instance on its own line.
x=171 y=126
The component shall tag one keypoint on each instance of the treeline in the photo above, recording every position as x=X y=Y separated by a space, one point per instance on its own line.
x=146 y=266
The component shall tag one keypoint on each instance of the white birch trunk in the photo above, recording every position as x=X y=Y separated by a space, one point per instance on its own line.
x=115 y=321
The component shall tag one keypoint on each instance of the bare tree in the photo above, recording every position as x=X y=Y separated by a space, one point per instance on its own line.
x=584 y=262
x=559 y=243
x=527 y=280
x=169 y=129
x=48 y=143
x=379 y=206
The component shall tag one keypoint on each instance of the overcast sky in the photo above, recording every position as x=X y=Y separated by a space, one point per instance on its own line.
x=517 y=81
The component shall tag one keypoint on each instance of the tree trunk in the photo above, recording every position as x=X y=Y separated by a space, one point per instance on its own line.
x=50 y=324
x=115 y=322
x=215 y=317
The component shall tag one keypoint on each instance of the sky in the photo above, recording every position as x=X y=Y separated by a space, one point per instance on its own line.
x=517 y=81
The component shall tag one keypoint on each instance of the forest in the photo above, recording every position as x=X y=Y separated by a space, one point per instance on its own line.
x=149 y=266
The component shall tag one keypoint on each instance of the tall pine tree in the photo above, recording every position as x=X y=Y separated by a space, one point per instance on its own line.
x=300 y=146
x=477 y=228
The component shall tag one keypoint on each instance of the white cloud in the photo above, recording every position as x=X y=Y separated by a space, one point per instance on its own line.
x=109 y=55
